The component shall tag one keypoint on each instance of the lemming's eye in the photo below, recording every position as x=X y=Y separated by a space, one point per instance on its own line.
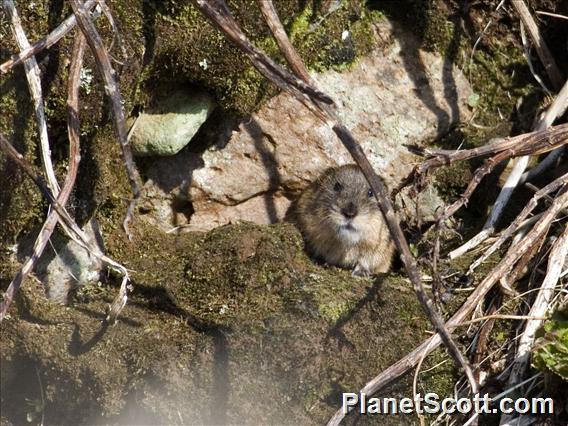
x=337 y=187
x=370 y=193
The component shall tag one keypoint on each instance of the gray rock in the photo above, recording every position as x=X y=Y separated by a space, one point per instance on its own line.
x=395 y=96
x=65 y=265
x=169 y=127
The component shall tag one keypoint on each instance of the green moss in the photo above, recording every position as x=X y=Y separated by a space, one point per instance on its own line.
x=550 y=353
x=336 y=41
x=300 y=25
x=243 y=295
x=451 y=180
x=333 y=311
x=185 y=42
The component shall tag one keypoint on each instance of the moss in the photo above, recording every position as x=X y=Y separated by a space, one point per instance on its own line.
x=241 y=305
x=336 y=41
x=451 y=180
x=185 y=42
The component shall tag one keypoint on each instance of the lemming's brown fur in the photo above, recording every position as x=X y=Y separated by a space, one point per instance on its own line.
x=342 y=223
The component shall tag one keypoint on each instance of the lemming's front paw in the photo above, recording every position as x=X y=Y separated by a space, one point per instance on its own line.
x=360 y=271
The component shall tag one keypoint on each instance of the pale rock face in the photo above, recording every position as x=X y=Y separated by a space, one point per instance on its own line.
x=395 y=96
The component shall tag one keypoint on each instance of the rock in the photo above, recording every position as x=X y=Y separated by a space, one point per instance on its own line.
x=65 y=265
x=169 y=127
x=389 y=99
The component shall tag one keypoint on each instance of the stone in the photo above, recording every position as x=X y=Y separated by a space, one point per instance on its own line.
x=65 y=265
x=395 y=96
x=169 y=127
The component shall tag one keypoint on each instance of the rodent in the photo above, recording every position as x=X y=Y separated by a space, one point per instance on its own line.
x=342 y=224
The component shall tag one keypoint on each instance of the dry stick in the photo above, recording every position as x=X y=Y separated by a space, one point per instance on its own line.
x=485 y=169
x=481 y=339
x=77 y=235
x=115 y=33
x=19 y=159
x=449 y=211
x=521 y=163
x=533 y=143
x=527 y=52
x=544 y=165
x=554 y=15
x=286 y=47
x=512 y=228
x=501 y=316
x=44 y=43
x=556 y=109
x=69 y=182
x=377 y=185
x=217 y=12
x=541 y=48
x=112 y=90
x=516 y=177
x=34 y=83
x=540 y=306
x=409 y=361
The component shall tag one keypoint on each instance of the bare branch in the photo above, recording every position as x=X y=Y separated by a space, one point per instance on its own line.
x=217 y=12
x=76 y=234
x=286 y=47
x=34 y=83
x=533 y=143
x=69 y=182
x=541 y=48
x=112 y=90
x=512 y=228
x=556 y=109
x=45 y=43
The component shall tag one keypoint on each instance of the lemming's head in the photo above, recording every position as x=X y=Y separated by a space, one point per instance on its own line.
x=347 y=204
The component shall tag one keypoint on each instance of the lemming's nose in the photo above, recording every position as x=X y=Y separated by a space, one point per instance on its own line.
x=349 y=211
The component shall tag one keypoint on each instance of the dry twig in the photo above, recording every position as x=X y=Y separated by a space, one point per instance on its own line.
x=556 y=109
x=69 y=182
x=45 y=43
x=102 y=59
x=218 y=12
x=34 y=84
x=76 y=234
x=554 y=15
x=512 y=228
x=533 y=143
x=541 y=48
